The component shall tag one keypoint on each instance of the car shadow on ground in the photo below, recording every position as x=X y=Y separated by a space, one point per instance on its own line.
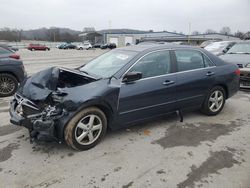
x=138 y=128
x=169 y=125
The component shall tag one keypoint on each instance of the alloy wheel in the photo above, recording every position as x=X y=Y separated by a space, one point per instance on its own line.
x=216 y=100
x=88 y=129
x=7 y=85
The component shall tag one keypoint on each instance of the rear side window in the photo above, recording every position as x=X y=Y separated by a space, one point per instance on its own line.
x=190 y=60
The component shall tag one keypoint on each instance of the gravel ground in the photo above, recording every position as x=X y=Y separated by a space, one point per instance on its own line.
x=200 y=152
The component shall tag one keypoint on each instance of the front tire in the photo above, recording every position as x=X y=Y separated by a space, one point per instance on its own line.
x=86 y=129
x=214 y=101
x=8 y=85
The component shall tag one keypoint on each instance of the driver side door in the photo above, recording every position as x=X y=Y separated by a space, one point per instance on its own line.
x=153 y=94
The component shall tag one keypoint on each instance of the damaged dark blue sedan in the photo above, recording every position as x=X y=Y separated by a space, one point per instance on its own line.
x=120 y=88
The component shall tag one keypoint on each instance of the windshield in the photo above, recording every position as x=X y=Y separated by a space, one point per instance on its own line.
x=240 y=48
x=109 y=63
x=216 y=46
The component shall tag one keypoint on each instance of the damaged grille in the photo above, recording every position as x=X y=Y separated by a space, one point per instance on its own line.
x=25 y=106
x=30 y=110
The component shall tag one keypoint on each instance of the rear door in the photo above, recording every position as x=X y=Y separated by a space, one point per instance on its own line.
x=152 y=95
x=195 y=76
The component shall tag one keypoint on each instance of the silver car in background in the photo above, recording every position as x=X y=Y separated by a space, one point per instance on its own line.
x=219 y=48
x=239 y=54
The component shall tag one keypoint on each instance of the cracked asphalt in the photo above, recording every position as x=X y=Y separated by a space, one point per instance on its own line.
x=202 y=151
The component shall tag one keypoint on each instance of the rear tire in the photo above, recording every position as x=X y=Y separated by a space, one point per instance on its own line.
x=8 y=85
x=86 y=129
x=214 y=101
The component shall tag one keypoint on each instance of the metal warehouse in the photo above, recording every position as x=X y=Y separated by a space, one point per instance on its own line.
x=123 y=37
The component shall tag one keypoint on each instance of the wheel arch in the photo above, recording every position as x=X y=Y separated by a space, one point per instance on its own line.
x=104 y=107
x=224 y=86
x=11 y=73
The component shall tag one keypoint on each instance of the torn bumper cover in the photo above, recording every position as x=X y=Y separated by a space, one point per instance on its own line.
x=38 y=105
x=41 y=124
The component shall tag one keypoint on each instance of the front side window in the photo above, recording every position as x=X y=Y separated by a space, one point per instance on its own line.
x=153 y=64
x=190 y=60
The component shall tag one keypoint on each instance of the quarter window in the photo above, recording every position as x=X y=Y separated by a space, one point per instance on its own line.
x=190 y=59
x=153 y=64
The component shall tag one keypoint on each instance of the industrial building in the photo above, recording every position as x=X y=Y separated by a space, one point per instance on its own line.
x=123 y=37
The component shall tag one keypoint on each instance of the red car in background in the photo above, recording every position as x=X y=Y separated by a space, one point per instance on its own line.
x=33 y=47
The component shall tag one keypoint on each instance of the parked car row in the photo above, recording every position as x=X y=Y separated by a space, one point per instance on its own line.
x=86 y=46
x=65 y=46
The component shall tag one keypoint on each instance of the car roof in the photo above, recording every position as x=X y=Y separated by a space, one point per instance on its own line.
x=152 y=47
x=244 y=42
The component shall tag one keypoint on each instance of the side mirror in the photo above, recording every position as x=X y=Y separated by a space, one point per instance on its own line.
x=131 y=77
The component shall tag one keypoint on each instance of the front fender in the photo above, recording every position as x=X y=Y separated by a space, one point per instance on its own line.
x=109 y=111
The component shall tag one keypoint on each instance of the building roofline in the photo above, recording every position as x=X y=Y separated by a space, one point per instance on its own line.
x=131 y=32
x=213 y=34
x=143 y=33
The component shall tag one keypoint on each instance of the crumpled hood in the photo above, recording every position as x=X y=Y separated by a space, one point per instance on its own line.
x=236 y=58
x=40 y=85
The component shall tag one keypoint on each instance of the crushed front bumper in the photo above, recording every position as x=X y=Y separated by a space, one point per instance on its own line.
x=41 y=130
x=17 y=119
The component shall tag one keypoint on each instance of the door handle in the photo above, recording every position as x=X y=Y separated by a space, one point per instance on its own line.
x=210 y=73
x=168 y=82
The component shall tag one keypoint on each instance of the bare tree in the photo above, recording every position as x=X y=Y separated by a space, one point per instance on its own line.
x=195 y=33
x=53 y=34
x=10 y=34
x=225 y=30
x=239 y=34
x=210 y=31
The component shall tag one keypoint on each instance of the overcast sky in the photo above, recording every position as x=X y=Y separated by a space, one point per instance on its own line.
x=170 y=15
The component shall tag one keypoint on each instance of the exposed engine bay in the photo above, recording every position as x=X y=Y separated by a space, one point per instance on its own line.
x=38 y=101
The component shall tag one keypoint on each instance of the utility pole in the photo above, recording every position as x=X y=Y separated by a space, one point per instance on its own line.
x=189 y=32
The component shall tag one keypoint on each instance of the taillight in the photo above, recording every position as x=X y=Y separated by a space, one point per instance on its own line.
x=14 y=56
x=237 y=72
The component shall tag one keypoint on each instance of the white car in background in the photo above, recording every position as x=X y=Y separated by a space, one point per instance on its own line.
x=84 y=46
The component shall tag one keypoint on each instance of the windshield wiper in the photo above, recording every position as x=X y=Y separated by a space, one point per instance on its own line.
x=85 y=72
x=238 y=53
